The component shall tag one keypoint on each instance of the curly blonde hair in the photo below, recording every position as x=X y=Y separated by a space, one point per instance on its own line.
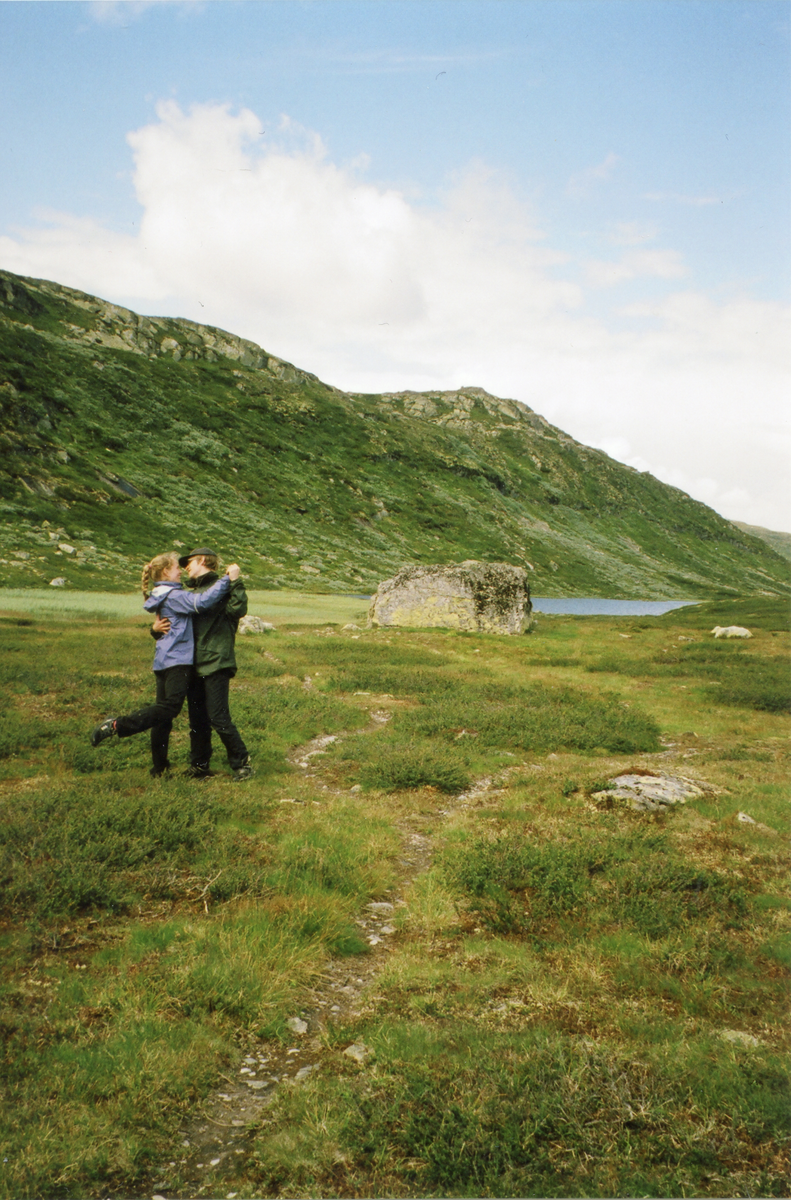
x=155 y=569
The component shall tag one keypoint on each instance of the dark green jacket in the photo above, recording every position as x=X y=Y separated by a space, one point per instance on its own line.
x=215 y=630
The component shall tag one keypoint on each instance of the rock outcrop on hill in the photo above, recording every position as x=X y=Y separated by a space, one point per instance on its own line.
x=471 y=596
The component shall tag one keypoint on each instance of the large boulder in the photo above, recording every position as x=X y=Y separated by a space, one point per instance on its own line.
x=472 y=596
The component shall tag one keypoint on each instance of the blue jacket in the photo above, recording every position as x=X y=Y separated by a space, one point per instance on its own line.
x=177 y=648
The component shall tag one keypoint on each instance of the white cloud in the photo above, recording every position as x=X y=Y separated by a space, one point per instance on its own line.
x=266 y=236
x=657 y=264
x=582 y=182
x=736 y=503
x=633 y=233
x=121 y=12
x=679 y=198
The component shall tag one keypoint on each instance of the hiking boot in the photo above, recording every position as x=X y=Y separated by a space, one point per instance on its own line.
x=198 y=773
x=243 y=772
x=105 y=730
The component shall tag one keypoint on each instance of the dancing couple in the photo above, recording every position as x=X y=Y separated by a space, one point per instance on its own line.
x=195 y=629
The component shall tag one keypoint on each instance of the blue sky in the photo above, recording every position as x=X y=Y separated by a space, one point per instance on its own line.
x=579 y=203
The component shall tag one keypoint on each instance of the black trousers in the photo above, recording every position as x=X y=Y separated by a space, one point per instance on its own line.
x=208 y=703
x=172 y=687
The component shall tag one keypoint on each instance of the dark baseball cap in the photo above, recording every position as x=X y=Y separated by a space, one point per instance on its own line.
x=201 y=552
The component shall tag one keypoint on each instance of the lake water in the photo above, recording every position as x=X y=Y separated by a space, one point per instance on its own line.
x=594 y=606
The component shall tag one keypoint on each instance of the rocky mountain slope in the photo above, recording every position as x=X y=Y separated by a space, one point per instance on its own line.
x=124 y=435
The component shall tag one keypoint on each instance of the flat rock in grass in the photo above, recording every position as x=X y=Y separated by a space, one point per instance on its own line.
x=358 y=1051
x=297 y=1025
x=255 y=625
x=743 y=818
x=652 y=793
x=739 y=1038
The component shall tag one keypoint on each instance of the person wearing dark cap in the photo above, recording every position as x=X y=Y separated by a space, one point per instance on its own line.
x=215 y=666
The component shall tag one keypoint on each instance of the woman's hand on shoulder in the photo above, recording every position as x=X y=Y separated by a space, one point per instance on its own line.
x=233 y=572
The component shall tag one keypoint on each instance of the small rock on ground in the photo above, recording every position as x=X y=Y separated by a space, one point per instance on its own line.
x=254 y=625
x=740 y=1038
x=358 y=1051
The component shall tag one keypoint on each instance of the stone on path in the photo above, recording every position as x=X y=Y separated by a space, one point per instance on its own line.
x=476 y=597
x=297 y=1025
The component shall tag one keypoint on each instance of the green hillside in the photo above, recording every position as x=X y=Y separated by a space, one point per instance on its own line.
x=124 y=435
x=781 y=542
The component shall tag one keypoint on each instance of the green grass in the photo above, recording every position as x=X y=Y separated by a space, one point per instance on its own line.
x=770 y=613
x=637 y=884
x=551 y=1019
x=742 y=676
x=464 y=1113
x=281 y=607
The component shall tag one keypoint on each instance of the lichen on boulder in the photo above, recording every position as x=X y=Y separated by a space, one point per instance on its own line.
x=475 y=597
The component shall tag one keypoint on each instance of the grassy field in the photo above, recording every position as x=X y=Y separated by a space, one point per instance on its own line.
x=293 y=608
x=577 y=999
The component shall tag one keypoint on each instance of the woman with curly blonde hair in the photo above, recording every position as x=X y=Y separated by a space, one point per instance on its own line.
x=173 y=660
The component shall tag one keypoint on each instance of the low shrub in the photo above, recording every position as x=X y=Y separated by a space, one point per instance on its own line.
x=535 y=718
x=17 y=733
x=658 y=895
x=636 y=881
x=72 y=848
x=767 y=688
x=416 y=765
x=510 y=883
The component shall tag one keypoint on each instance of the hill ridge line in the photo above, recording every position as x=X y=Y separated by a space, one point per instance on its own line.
x=122 y=435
